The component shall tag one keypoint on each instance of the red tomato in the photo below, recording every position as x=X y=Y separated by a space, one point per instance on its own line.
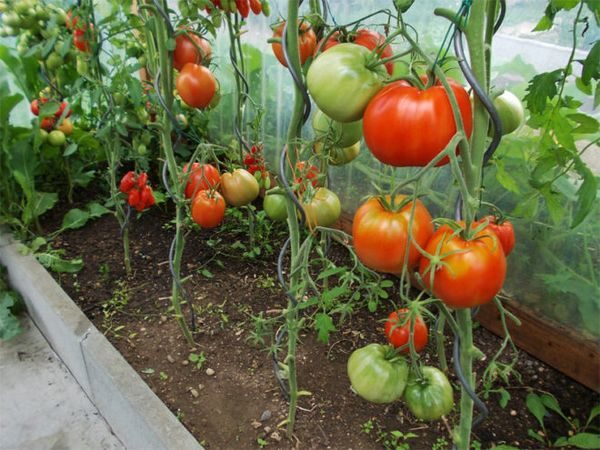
x=142 y=179
x=367 y=38
x=397 y=331
x=127 y=182
x=196 y=85
x=190 y=48
x=48 y=123
x=60 y=110
x=79 y=39
x=381 y=236
x=404 y=126
x=208 y=209
x=471 y=272
x=256 y=6
x=35 y=105
x=307 y=42
x=306 y=172
x=147 y=197
x=505 y=232
x=243 y=7
x=204 y=176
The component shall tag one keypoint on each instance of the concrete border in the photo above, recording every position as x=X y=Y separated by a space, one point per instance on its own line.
x=137 y=416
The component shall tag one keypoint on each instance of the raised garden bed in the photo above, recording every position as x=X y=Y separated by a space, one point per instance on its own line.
x=222 y=402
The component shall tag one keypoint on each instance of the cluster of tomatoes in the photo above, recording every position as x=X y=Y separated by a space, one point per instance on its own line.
x=211 y=191
x=139 y=193
x=243 y=7
x=54 y=127
x=195 y=83
x=79 y=29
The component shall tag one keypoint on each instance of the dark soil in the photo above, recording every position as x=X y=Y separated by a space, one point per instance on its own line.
x=224 y=410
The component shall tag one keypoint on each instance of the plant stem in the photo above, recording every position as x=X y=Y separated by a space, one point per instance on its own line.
x=160 y=39
x=463 y=434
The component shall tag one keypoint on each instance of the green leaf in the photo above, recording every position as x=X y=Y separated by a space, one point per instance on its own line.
x=505 y=447
x=541 y=88
x=591 y=64
x=585 y=440
x=324 y=326
x=555 y=209
x=7 y=104
x=71 y=148
x=544 y=24
x=504 y=397
x=564 y=4
x=595 y=412
x=597 y=95
x=9 y=323
x=534 y=435
x=594 y=7
x=585 y=88
x=43 y=201
x=96 y=210
x=536 y=407
x=551 y=403
x=75 y=218
x=505 y=178
x=587 y=124
x=57 y=264
x=586 y=194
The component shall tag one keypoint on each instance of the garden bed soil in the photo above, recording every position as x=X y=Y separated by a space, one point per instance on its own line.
x=224 y=410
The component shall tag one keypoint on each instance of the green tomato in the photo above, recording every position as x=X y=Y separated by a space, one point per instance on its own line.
x=43 y=134
x=275 y=206
x=56 y=138
x=11 y=19
x=339 y=156
x=431 y=397
x=341 y=83
x=118 y=97
x=337 y=133
x=510 y=110
x=377 y=373
x=82 y=66
x=54 y=61
x=323 y=209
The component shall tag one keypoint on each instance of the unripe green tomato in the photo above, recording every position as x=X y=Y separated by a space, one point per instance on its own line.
x=146 y=137
x=56 y=138
x=142 y=150
x=142 y=114
x=82 y=66
x=275 y=206
x=54 y=61
x=11 y=19
x=142 y=60
x=28 y=21
x=338 y=133
x=118 y=98
x=430 y=397
x=22 y=7
x=511 y=112
x=43 y=134
x=42 y=13
x=60 y=16
x=182 y=120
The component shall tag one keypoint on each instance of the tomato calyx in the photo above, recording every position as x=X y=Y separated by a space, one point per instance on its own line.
x=390 y=202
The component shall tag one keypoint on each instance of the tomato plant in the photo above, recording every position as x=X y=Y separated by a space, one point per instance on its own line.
x=322 y=209
x=306 y=173
x=239 y=187
x=339 y=156
x=406 y=126
x=381 y=236
x=367 y=38
x=203 y=176
x=190 y=48
x=208 y=209
x=344 y=68
x=377 y=373
x=463 y=273
x=307 y=42
x=429 y=397
x=397 y=331
x=196 y=85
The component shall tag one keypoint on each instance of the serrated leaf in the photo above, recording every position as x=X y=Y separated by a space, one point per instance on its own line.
x=331 y=272
x=75 y=218
x=541 y=88
x=57 y=264
x=591 y=64
x=585 y=440
x=536 y=407
x=324 y=326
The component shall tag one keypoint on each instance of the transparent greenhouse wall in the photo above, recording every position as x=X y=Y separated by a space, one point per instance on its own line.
x=554 y=270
